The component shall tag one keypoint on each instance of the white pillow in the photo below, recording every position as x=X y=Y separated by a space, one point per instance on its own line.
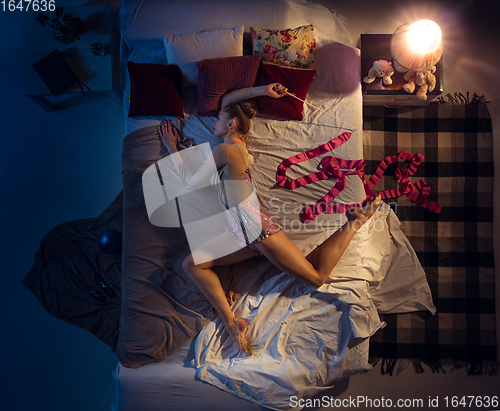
x=186 y=50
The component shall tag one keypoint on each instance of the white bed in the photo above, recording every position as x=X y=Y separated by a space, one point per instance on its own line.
x=306 y=339
x=335 y=89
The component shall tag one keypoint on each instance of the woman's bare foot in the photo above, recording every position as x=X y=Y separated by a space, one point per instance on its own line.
x=370 y=208
x=359 y=215
x=236 y=331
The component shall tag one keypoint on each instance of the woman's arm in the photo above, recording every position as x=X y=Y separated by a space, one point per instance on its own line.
x=168 y=135
x=275 y=90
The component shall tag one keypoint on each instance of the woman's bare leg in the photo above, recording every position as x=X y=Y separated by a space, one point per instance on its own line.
x=209 y=284
x=318 y=266
x=286 y=256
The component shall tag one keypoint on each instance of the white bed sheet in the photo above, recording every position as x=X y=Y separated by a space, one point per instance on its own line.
x=306 y=338
x=171 y=385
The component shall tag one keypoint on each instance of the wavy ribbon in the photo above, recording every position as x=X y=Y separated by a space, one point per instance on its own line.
x=333 y=167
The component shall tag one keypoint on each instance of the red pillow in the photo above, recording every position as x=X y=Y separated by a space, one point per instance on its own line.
x=155 y=90
x=297 y=81
x=220 y=75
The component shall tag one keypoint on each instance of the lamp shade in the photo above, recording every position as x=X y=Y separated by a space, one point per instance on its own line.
x=416 y=46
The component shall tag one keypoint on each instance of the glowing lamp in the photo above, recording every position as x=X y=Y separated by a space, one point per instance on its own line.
x=416 y=46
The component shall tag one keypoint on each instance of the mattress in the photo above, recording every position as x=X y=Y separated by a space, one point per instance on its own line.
x=171 y=385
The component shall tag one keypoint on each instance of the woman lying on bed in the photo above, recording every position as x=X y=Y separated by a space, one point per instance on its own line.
x=231 y=160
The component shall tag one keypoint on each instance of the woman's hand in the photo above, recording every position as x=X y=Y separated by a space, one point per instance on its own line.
x=276 y=90
x=168 y=134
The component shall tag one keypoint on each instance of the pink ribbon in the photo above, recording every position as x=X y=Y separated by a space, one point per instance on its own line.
x=337 y=168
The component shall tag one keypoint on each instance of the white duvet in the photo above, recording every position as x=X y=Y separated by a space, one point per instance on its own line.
x=307 y=338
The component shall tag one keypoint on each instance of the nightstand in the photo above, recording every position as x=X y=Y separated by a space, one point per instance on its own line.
x=93 y=71
x=377 y=47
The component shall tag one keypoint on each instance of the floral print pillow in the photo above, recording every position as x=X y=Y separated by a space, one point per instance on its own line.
x=290 y=48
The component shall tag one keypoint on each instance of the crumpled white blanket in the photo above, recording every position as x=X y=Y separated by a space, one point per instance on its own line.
x=306 y=339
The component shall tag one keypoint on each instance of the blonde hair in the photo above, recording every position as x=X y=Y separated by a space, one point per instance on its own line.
x=243 y=113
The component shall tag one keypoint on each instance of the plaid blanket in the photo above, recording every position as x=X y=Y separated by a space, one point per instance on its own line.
x=454 y=247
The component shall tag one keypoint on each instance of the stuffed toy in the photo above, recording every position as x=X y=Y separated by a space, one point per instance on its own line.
x=425 y=79
x=380 y=68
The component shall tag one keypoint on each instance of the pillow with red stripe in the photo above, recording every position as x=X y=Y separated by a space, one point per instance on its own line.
x=220 y=75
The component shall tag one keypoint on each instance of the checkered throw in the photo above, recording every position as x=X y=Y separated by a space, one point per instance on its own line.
x=454 y=247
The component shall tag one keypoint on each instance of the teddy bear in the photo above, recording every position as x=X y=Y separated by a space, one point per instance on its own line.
x=425 y=79
x=380 y=68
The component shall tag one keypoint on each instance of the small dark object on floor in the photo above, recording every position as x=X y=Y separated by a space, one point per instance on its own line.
x=110 y=242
